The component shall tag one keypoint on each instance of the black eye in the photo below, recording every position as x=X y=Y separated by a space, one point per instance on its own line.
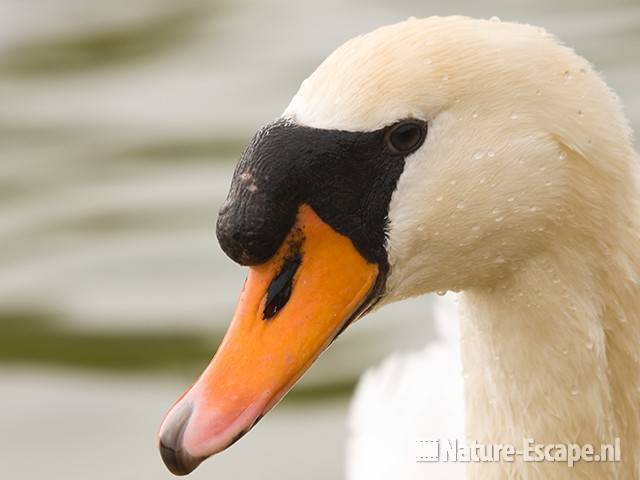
x=406 y=136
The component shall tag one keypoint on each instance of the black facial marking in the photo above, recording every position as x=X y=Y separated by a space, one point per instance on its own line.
x=346 y=177
x=280 y=288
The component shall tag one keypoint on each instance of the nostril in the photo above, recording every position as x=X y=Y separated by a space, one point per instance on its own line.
x=177 y=460
x=280 y=288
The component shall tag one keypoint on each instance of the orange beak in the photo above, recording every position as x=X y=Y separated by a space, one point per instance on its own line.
x=290 y=310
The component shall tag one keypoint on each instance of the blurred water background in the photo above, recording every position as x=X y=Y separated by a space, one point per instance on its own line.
x=120 y=123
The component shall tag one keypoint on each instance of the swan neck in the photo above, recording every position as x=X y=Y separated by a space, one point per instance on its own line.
x=551 y=354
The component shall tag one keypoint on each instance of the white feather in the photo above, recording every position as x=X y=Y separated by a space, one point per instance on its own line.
x=409 y=397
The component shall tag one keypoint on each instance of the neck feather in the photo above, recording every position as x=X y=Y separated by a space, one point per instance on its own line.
x=553 y=353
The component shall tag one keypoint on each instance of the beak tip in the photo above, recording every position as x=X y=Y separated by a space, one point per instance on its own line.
x=170 y=441
x=178 y=462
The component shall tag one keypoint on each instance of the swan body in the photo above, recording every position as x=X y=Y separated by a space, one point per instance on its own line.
x=441 y=154
x=410 y=397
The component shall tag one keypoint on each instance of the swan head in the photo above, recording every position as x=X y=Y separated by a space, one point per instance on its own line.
x=519 y=127
x=428 y=155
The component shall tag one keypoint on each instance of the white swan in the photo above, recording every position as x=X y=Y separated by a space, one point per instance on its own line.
x=441 y=154
x=410 y=397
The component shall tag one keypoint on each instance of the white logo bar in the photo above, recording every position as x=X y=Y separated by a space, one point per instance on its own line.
x=455 y=450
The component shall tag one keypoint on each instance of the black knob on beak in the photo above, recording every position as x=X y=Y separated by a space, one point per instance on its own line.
x=261 y=206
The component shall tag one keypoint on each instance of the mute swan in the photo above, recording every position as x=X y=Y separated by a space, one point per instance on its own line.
x=430 y=155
